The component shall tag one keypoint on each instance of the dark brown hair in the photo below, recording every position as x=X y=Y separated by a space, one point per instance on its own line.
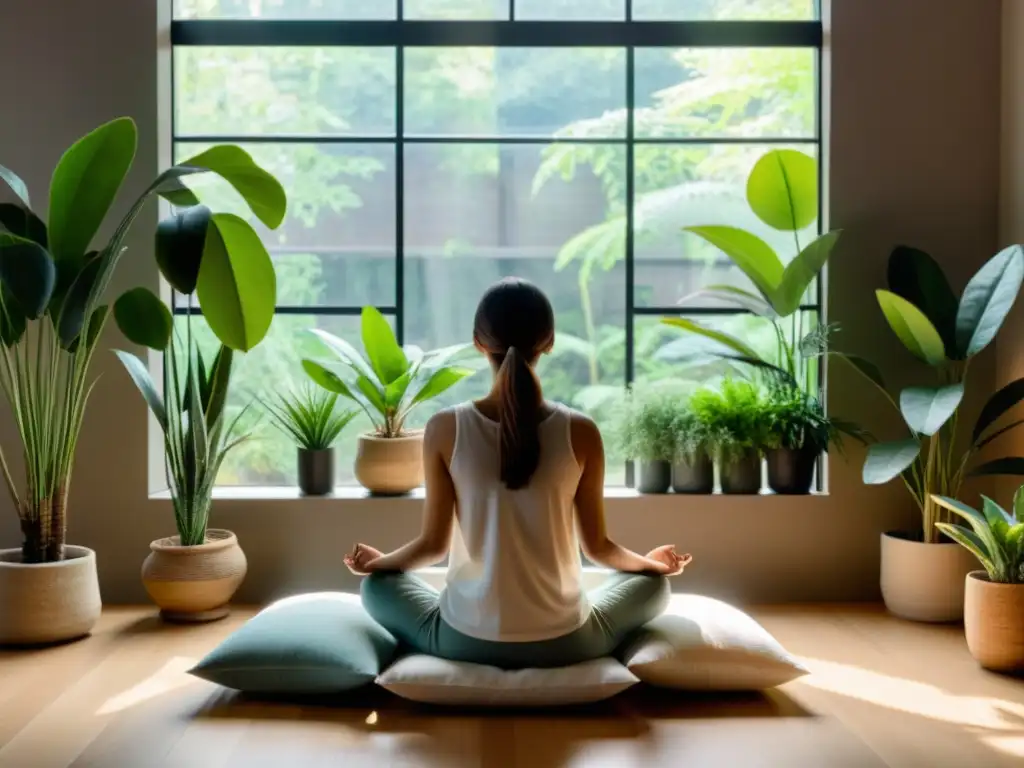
x=514 y=324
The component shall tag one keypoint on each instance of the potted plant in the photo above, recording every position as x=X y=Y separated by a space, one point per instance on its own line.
x=923 y=573
x=693 y=470
x=387 y=383
x=735 y=418
x=312 y=420
x=645 y=431
x=994 y=601
x=798 y=433
x=53 y=284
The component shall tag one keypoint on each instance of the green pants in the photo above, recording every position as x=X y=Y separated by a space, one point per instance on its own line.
x=408 y=607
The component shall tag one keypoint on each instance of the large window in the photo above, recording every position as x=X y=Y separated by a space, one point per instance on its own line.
x=430 y=147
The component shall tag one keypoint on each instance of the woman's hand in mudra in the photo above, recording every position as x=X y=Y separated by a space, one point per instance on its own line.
x=671 y=562
x=360 y=561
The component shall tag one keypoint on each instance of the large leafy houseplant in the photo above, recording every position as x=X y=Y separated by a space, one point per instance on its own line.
x=946 y=333
x=53 y=306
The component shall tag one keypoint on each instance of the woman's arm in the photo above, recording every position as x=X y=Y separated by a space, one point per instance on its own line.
x=431 y=546
x=597 y=545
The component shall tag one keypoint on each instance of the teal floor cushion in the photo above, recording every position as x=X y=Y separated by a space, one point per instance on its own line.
x=309 y=644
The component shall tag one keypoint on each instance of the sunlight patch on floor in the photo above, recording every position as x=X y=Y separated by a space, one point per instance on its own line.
x=1009 y=745
x=170 y=677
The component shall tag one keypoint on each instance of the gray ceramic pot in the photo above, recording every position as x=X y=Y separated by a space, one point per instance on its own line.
x=316 y=472
x=791 y=470
x=697 y=476
x=653 y=476
x=742 y=475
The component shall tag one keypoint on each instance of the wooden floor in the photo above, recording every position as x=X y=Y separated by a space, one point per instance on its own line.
x=882 y=693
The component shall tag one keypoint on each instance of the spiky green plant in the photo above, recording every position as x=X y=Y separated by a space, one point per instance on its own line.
x=644 y=426
x=735 y=416
x=995 y=536
x=310 y=417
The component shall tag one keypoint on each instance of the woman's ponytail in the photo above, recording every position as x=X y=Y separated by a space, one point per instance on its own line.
x=520 y=402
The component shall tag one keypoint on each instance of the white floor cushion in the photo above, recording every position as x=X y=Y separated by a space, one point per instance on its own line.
x=437 y=681
x=700 y=644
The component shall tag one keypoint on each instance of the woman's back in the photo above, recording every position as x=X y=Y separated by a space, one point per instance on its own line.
x=514 y=572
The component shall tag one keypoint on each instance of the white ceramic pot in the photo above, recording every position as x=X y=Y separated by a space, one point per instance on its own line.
x=994 y=623
x=48 y=602
x=194 y=584
x=924 y=582
x=390 y=466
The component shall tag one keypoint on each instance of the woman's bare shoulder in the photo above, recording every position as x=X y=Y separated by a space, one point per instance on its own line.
x=586 y=436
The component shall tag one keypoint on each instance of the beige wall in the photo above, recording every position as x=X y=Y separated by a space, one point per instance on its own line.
x=914 y=157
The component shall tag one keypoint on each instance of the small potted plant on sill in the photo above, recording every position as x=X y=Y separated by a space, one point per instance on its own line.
x=922 y=572
x=53 y=310
x=994 y=600
x=644 y=431
x=313 y=421
x=736 y=419
x=693 y=471
x=387 y=384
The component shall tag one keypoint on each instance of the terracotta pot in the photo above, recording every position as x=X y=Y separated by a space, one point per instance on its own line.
x=48 y=602
x=994 y=623
x=194 y=584
x=924 y=582
x=390 y=466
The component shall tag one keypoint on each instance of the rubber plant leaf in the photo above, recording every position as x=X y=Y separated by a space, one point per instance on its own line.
x=28 y=273
x=802 y=271
x=751 y=254
x=927 y=409
x=919 y=279
x=144 y=319
x=23 y=223
x=886 y=461
x=180 y=242
x=782 y=190
x=912 y=328
x=987 y=300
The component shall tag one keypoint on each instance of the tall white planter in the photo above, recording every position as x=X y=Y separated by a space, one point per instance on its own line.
x=924 y=582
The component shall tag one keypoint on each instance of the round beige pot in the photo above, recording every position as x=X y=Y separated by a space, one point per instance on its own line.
x=390 y=466
x=194 y=584
x=48 y=602
x=994 y=623
x=924 y=582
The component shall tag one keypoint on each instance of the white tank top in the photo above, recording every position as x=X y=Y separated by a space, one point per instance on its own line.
x=514 y=572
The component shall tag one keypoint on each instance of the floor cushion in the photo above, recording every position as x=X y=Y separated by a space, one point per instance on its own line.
x=432 y=680
x=309 y=644
x=701 y=644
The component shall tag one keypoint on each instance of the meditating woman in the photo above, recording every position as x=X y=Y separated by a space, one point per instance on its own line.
x=503 y=477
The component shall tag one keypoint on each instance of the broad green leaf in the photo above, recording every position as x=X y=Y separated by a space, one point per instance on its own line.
x=801 y=272
x=29 y=274
x=918 y=278
x=237 y=287
x=998 y=519
x=441 y=381
x=436 y=357
x=261 y=191
x=144 y=319
x=327 y=379
x=75 y=304
x=927 y=409
x=750 y=253
x=1001 y=402
x=886 y=461
x=373 y=393
x=913 y=329
x=140 y=375
x=987 y=300
x=970 y=541
x=12 y=320
x=738 y=297
x=216 y=395
x=782 y=190
x=17 y=186
x=23 y=223
x=97 y=320
x=180 y=242
x=344 y=351
x=722 y=338
x=395 y=391
x=1008 y=465
x=382 y=350
x=84 y=186
x=865 y=367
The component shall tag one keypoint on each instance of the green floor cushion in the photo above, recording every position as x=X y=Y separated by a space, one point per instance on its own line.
x=308 y=644
x=701 y=644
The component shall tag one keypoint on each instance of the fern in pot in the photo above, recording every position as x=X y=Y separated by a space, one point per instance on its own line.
x=312 y=419
x=55 y=277
x=645 y=432
x=736 y=418
x=693 y=470
x=388 y=383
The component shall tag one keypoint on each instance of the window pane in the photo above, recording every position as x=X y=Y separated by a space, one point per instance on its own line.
x=692 y=185
x=284 y=9
x=735 y=92
x=456 y=9
x=724 y=10
x=570 y=10
x=514 y=91
x=477 y=213
x=258 y=91
x=273 y=368
x=337 y=243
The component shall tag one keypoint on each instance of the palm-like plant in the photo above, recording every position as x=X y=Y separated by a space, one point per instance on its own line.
x=389 y=382
x=995 y=536
x=52 y=312
x=310 y=417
